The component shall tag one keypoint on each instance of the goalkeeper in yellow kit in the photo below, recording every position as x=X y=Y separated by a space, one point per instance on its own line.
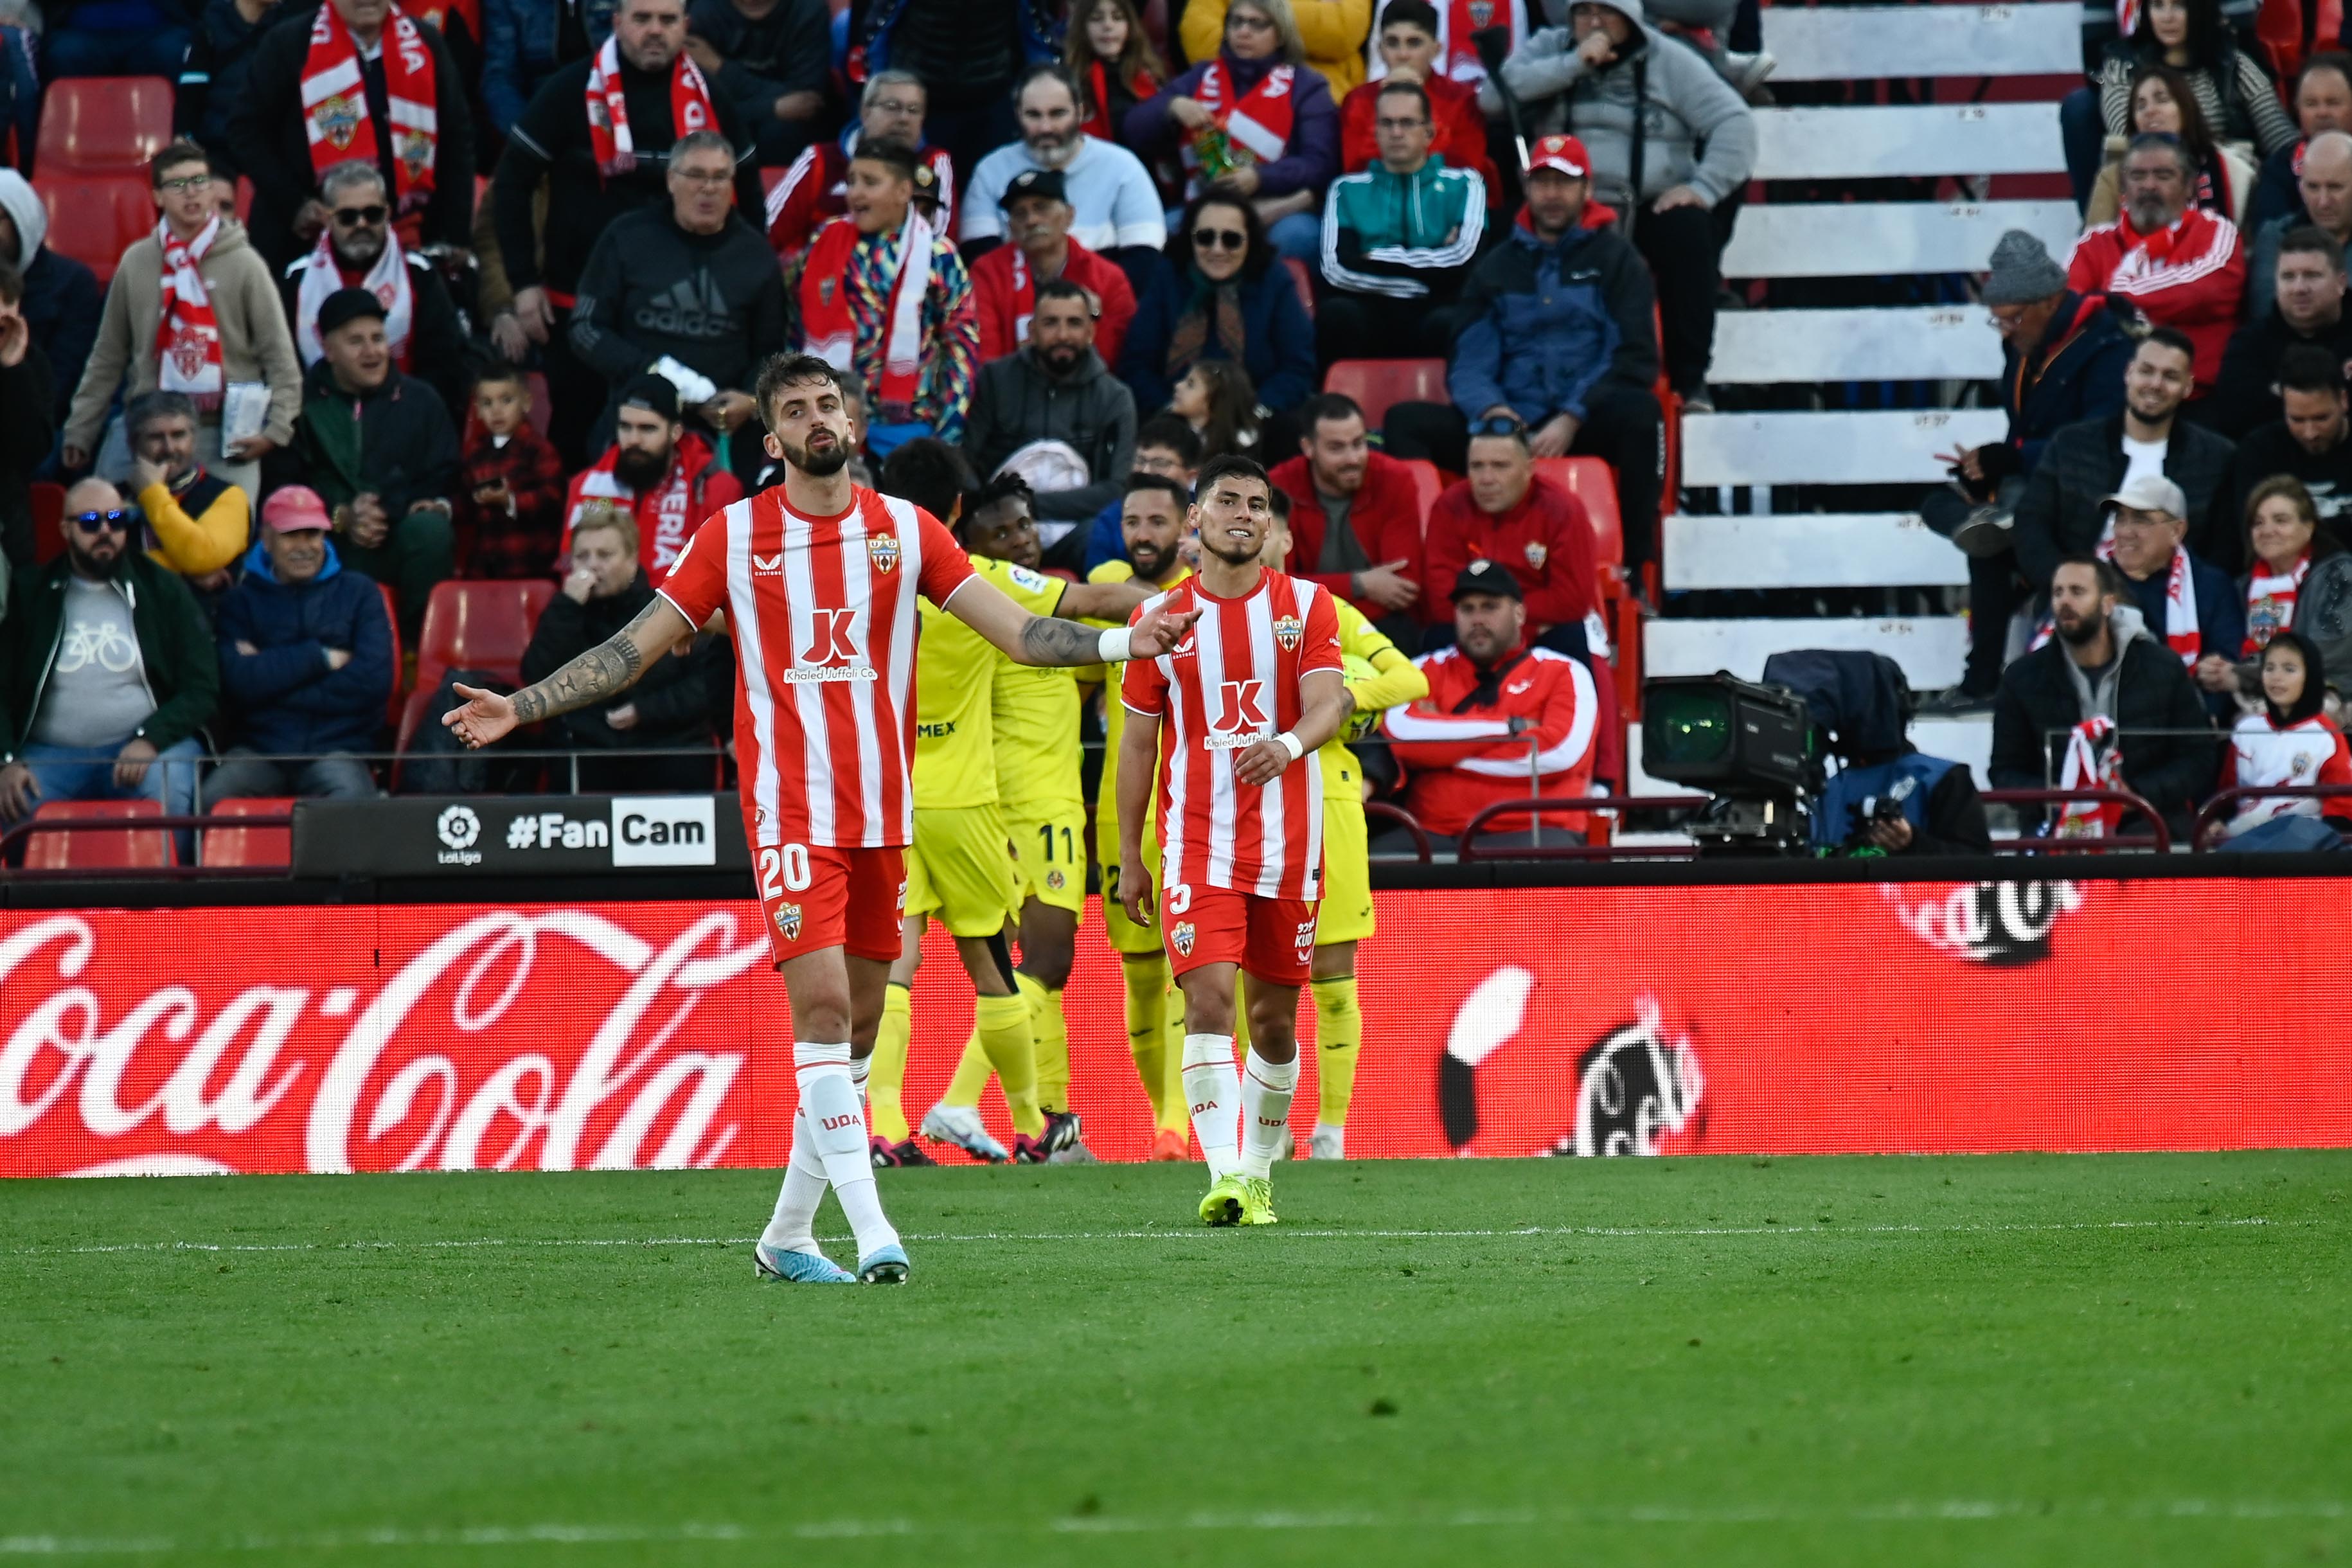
x=1378 y=676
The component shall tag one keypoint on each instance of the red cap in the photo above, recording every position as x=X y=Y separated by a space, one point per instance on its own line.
x=1565 y=154
x=294 y=509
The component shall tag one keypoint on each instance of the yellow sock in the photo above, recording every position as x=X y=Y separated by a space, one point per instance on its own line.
x=1004 y=1026
x=1051 y=1034
x=1147 y=994
x=971 y=1075
x=1240 y=1015
x=1178 y=1115
x=885 y=1114
x=1338 y=1034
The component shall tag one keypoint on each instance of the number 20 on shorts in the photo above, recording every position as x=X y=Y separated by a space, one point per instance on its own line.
x=783 y=869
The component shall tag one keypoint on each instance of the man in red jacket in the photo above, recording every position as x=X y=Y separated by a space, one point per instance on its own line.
x=1492 y=700
x=659 y=472
x=1355 y=517
x=1506 y=512
x=2185 y=267
x=1037 y=215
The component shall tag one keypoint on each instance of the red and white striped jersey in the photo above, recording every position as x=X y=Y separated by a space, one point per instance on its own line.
x=1233 y=681
x=822 y=613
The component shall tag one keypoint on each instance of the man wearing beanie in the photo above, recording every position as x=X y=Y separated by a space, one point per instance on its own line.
x=2062 y=358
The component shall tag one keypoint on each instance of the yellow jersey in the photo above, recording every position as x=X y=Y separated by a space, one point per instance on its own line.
x=1114 y=721
x=1035 y=713
x=955 y=669
x=1398 y=680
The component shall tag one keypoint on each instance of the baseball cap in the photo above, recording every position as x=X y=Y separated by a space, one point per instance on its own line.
x=654 y=393
x=294 y=509
x=1483 y=576
x=1046 y=183
x=346 y=305
x=2150 y=492
x=1565 y=154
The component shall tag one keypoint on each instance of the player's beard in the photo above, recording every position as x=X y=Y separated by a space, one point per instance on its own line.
x=1231 y=551
x=1149 y=560
x=818 y=465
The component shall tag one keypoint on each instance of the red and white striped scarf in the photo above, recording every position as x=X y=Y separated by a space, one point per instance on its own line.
x=2181 y=630
x=1259 y=120
x=335 y=111
x=2090 y=766
x=608 y=109
x=829 y=329
x=2270 y=603
x=664 y=514
x=387 y=281
x=187 y=334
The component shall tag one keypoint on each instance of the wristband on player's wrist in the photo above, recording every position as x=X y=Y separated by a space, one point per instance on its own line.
x=1112 y=647
x=1293 y=745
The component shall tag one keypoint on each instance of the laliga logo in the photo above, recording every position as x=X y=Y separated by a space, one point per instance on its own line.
x=402 y=1090
x=2000 y=924
x=458 y=828
x=1634 y=1087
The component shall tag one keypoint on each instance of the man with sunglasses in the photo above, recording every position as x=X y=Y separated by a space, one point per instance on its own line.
x=359 y=249
x=107 y=671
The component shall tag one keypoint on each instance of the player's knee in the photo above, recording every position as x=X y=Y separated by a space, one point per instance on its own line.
x=1273 y=1033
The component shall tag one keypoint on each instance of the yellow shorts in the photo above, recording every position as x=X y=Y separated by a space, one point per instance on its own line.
x=1126 y=937
x=1346 y=913
x=959 y=870
x=1049 y=853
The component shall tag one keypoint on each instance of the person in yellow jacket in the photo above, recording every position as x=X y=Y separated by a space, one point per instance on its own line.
x=197 y=523
x=1332 y=31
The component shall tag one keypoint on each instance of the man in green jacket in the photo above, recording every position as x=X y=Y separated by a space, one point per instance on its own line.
x=1398 y=240
x=107 y=671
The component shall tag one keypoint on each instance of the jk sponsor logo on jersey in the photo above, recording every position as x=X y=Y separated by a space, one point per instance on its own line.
x=832 y=653
x=664 y=830
x=1241 y=717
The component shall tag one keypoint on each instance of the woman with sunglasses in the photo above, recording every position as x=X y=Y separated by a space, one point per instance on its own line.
x=1217 y=294
x=1253 y=122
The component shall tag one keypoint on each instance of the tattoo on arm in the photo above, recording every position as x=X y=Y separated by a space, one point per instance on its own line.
x=610 y=667
x=1048 y=641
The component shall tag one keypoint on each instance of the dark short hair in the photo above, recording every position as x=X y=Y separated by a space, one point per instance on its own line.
x=2111 y=581
x=144 y=411
x=1411 y=13
x=1332 y=405
x=1232 y=465
x=900 y=156
x=499 y=372
x=1173 y=489
x=2307 y=367
x=1001 y=487
x=1171 y=433
x=1277 y=501
x=930 y=473
x=2164 y=141
x=783 y=370
x=1396 y=87
x=2335 y=60
x=1064 y=288
x=2310 y=238
x=2171 y=338
x=173 y=154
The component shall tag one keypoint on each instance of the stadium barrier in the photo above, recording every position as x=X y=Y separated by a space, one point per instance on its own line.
x=1701 y=1012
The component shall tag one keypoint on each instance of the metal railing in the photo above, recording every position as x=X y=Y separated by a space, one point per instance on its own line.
x=166 y=827
x=2213 y=814
x=2159 y=838
x=1467 y=849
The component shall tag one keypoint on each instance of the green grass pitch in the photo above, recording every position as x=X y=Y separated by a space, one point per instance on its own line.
x=2012 y=1360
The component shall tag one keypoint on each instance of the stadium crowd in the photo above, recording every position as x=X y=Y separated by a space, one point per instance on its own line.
x=475 y=291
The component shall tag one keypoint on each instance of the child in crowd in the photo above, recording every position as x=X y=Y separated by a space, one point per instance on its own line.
x=1215 y=398
x=511 y=502
x=1110 y=53
x=2291 y=742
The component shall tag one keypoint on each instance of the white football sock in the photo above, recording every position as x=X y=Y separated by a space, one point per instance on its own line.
x=837 y=1128
x=1213 y=1088
x=1267 y=1088
x=792 y=1227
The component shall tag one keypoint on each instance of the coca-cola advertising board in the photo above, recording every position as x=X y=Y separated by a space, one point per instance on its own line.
x=1843 y=1018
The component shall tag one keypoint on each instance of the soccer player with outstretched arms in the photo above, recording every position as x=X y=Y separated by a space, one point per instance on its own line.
x=1238 y=701
x=819 y=578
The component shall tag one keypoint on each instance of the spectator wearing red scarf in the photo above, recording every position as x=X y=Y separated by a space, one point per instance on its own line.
x=2183 y=267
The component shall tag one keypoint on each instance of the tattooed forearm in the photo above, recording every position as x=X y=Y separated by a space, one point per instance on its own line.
x=1047 y=641
x=610 y=667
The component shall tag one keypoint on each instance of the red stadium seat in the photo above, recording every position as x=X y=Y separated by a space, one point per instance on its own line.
x=392 y=614
x=1376 y=383
x=479 y=626
x=104 y=125
x=95 y=218
x=542 y=406
x=85 y=848
x=1589 y=481
x=49 y=521
x=246 y=846
x=244 y=199
x=1306 y=281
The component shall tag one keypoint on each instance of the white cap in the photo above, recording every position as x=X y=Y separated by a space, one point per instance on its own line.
x=2150 y=492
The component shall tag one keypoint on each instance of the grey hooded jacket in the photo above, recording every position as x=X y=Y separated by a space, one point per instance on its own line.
x=1687 y=107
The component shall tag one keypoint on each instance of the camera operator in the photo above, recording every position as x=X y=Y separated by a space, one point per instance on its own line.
x=1889 y=797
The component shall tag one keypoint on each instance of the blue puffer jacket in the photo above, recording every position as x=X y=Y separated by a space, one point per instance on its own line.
x=518 y=43
x=1549 y=323
x=283 y=700
x=1277 y=339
